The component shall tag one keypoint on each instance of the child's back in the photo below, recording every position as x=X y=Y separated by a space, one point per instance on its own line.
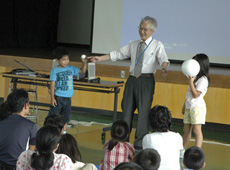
x=117 y=150
x=122 y=152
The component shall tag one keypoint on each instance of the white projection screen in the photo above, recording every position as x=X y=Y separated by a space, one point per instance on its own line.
x=185 y=27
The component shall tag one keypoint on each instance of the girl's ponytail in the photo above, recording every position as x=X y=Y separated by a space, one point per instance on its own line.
x=112 y=143
x=42 y=161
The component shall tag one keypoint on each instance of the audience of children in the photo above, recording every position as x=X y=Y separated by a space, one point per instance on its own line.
x=56 y=151
x=167 y=143
x=117 y=150
x=148 y=159
x=17 y=132
x=47 y=141
x=68 y=146
x=194 y=108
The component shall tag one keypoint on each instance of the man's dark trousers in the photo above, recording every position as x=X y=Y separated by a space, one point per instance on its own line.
x=138 y=94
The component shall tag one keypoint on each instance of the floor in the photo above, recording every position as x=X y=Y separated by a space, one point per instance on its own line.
x=89 y=129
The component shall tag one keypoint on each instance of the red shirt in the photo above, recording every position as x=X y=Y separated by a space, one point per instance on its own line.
x=122 y=152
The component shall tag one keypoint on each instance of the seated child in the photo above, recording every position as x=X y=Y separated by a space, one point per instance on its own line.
x=167 y=143
x=194 y=158
x=128 y=166
x=117 y=150
x=47 y=139
x=148 y=159
x=68 y=146
x=56 y=120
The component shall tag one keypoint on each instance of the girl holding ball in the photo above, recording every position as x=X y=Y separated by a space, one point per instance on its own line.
x=194 y=108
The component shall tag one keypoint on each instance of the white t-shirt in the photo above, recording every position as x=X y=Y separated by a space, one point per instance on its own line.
x=202 y=86
x=78 y=165
x=168 y=145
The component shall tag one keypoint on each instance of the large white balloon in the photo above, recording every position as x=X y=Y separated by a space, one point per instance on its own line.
x=190 y=67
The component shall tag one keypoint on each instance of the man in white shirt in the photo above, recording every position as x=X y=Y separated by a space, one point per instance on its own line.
x=146 y=54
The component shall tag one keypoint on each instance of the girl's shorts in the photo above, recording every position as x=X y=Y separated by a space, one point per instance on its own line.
x=195 y=116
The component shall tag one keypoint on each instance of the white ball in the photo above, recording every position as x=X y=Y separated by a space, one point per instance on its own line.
x=190 y=67
x=83 y=56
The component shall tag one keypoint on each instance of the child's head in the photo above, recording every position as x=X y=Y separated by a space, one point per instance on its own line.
x=68 y=146
x=60 y=52
x=148 y=159
x=194 y=158
x=120 y=130
x=203 y=61
x=56 y=120
x=47 y=139
x=119 y=133
x=160 y=119
x=15 y=103
x=128 y=166
x=62 y=56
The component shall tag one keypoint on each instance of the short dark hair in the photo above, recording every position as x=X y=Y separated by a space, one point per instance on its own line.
x=160 y=119
x=47 y=139
x=57 y=120
x=14 y=103
x=60 y=52
x=128 y=166
x=148 y=159
x=194 y=158
x=119 y=132
x=68 y=146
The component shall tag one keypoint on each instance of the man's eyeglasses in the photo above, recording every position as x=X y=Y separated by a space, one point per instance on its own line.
x=144 y=29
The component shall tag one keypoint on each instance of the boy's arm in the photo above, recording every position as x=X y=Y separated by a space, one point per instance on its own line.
x=53 y=100
x=85 y=65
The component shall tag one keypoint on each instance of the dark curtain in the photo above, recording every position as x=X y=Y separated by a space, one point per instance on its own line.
x=28 y=23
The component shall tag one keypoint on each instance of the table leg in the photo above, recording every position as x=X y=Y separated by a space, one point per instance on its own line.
x=116 y=91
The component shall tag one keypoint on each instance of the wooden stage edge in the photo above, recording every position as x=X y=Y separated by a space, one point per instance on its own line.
x=112 y=71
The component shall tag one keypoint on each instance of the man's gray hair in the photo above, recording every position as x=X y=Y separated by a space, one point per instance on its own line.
x=152 y=20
